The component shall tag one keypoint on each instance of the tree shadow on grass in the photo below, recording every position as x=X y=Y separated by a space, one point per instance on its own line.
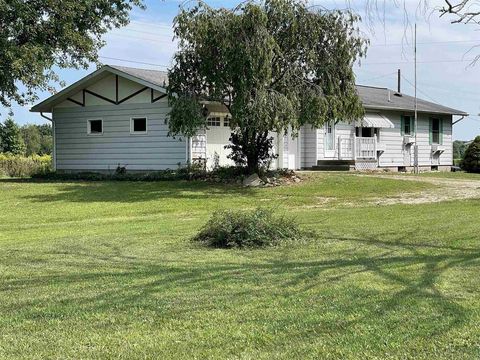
x=124 y=191
x=180 y=289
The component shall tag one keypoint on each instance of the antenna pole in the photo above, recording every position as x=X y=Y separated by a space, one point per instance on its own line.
x=416 y=112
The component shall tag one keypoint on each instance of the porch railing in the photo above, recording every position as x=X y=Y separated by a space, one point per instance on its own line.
x=357 y=147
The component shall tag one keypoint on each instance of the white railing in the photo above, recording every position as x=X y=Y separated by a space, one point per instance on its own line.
x=357 y=148
x=366 y=147
x=346 y=149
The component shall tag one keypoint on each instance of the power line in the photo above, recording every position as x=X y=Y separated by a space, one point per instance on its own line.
x=133 y=61
x=380 y=76
x=419 y=62
x=420 y=91
x=428 y=43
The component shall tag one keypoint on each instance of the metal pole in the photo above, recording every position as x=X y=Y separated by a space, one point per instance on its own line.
x=416 y=113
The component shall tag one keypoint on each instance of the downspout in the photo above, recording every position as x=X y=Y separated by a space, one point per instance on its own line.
x=463 y=117
x=54 y=142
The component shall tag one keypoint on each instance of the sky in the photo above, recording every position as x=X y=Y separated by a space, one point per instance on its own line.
x=444 y=52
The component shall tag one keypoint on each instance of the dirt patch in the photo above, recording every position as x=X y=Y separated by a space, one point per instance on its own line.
x=445 y=190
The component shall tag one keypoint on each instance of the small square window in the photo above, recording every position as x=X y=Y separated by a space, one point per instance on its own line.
x=95 y=127
x=213 y=121
x=226 y=121
x=138 y=125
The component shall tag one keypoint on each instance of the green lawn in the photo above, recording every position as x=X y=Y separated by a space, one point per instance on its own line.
x=106 y=270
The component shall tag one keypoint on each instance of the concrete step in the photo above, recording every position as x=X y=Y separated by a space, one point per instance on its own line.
x=335 y=162
x=332 y=167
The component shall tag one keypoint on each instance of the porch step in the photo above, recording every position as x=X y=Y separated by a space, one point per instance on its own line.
x=335 y=162
x=333 y=167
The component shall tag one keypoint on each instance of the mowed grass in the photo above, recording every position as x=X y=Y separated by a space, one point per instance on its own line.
x=107 y=270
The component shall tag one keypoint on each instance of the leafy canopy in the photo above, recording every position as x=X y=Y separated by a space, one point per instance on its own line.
x=37 y=139
x=37 y=35
x=471 y=158
x=274 y=65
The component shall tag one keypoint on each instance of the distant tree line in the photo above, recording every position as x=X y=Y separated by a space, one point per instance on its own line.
x=29 y=139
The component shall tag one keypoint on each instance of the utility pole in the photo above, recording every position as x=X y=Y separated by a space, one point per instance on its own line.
x=415 y=148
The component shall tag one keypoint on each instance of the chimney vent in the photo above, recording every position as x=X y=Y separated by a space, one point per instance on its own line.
x=399 y=79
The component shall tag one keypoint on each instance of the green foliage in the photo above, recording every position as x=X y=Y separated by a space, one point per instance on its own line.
x=471 y=159
x=459 y=148
x=38 y=36
x=21 y=166
x=247 y=229
x=274 y=65
x=37 y=139
x=11 y=140
x=118 y=175
x=107 y=271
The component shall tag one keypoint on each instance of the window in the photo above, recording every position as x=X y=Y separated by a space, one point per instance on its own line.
x=226 y=121
x=435 y=131
x=95 y=127
x=138 y=125
x=407 y=125
x=213 y=121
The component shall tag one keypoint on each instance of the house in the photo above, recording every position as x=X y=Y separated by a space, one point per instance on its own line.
x=117 y=116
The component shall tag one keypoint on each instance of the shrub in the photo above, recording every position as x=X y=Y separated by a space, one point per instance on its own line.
x=248 y=229
x=21 y=166
x=471 y=158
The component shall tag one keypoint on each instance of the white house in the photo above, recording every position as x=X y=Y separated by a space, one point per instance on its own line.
x=117 y=116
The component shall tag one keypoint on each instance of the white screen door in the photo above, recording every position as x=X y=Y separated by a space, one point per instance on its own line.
x=329 y=139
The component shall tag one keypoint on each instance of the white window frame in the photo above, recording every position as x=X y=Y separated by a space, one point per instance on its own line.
x=211 y=117
x=89 y=130
x=138 y=132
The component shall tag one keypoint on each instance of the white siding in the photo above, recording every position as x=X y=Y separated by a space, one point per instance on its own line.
x=309 y=145
x=106 y=88
x=217 y=138
x=76 y=150
x=396 y=153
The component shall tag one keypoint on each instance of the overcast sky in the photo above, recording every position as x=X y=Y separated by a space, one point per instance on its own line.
x=444 y=54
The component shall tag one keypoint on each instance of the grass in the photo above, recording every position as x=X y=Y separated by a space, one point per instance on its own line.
x=107 y=270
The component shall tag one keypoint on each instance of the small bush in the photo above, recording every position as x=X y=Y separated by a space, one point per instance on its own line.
x=248 y=229
x=471 y=158
x=21 y=166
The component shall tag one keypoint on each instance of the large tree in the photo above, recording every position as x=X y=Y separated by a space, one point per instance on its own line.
x=275 y=65
x=38 y=35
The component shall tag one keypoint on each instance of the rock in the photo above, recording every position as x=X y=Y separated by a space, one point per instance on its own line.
x=252 y=180
x=296 y=179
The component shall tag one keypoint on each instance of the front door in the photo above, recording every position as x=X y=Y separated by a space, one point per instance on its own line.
x=329 y=139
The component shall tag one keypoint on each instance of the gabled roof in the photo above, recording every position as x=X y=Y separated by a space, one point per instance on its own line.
x=154 y=79
x=159 y=78
x=373 y=98
x=376 y=98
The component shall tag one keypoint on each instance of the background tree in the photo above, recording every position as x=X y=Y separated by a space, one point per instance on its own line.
x=10 y=138
x=274 y=65
x=471 y=159
x=31 y=138
x=46 y=139
x=459 y=148
x=37 y=139
x=38 y=35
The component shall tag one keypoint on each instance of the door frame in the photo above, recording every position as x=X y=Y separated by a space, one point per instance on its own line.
x=329 y=153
